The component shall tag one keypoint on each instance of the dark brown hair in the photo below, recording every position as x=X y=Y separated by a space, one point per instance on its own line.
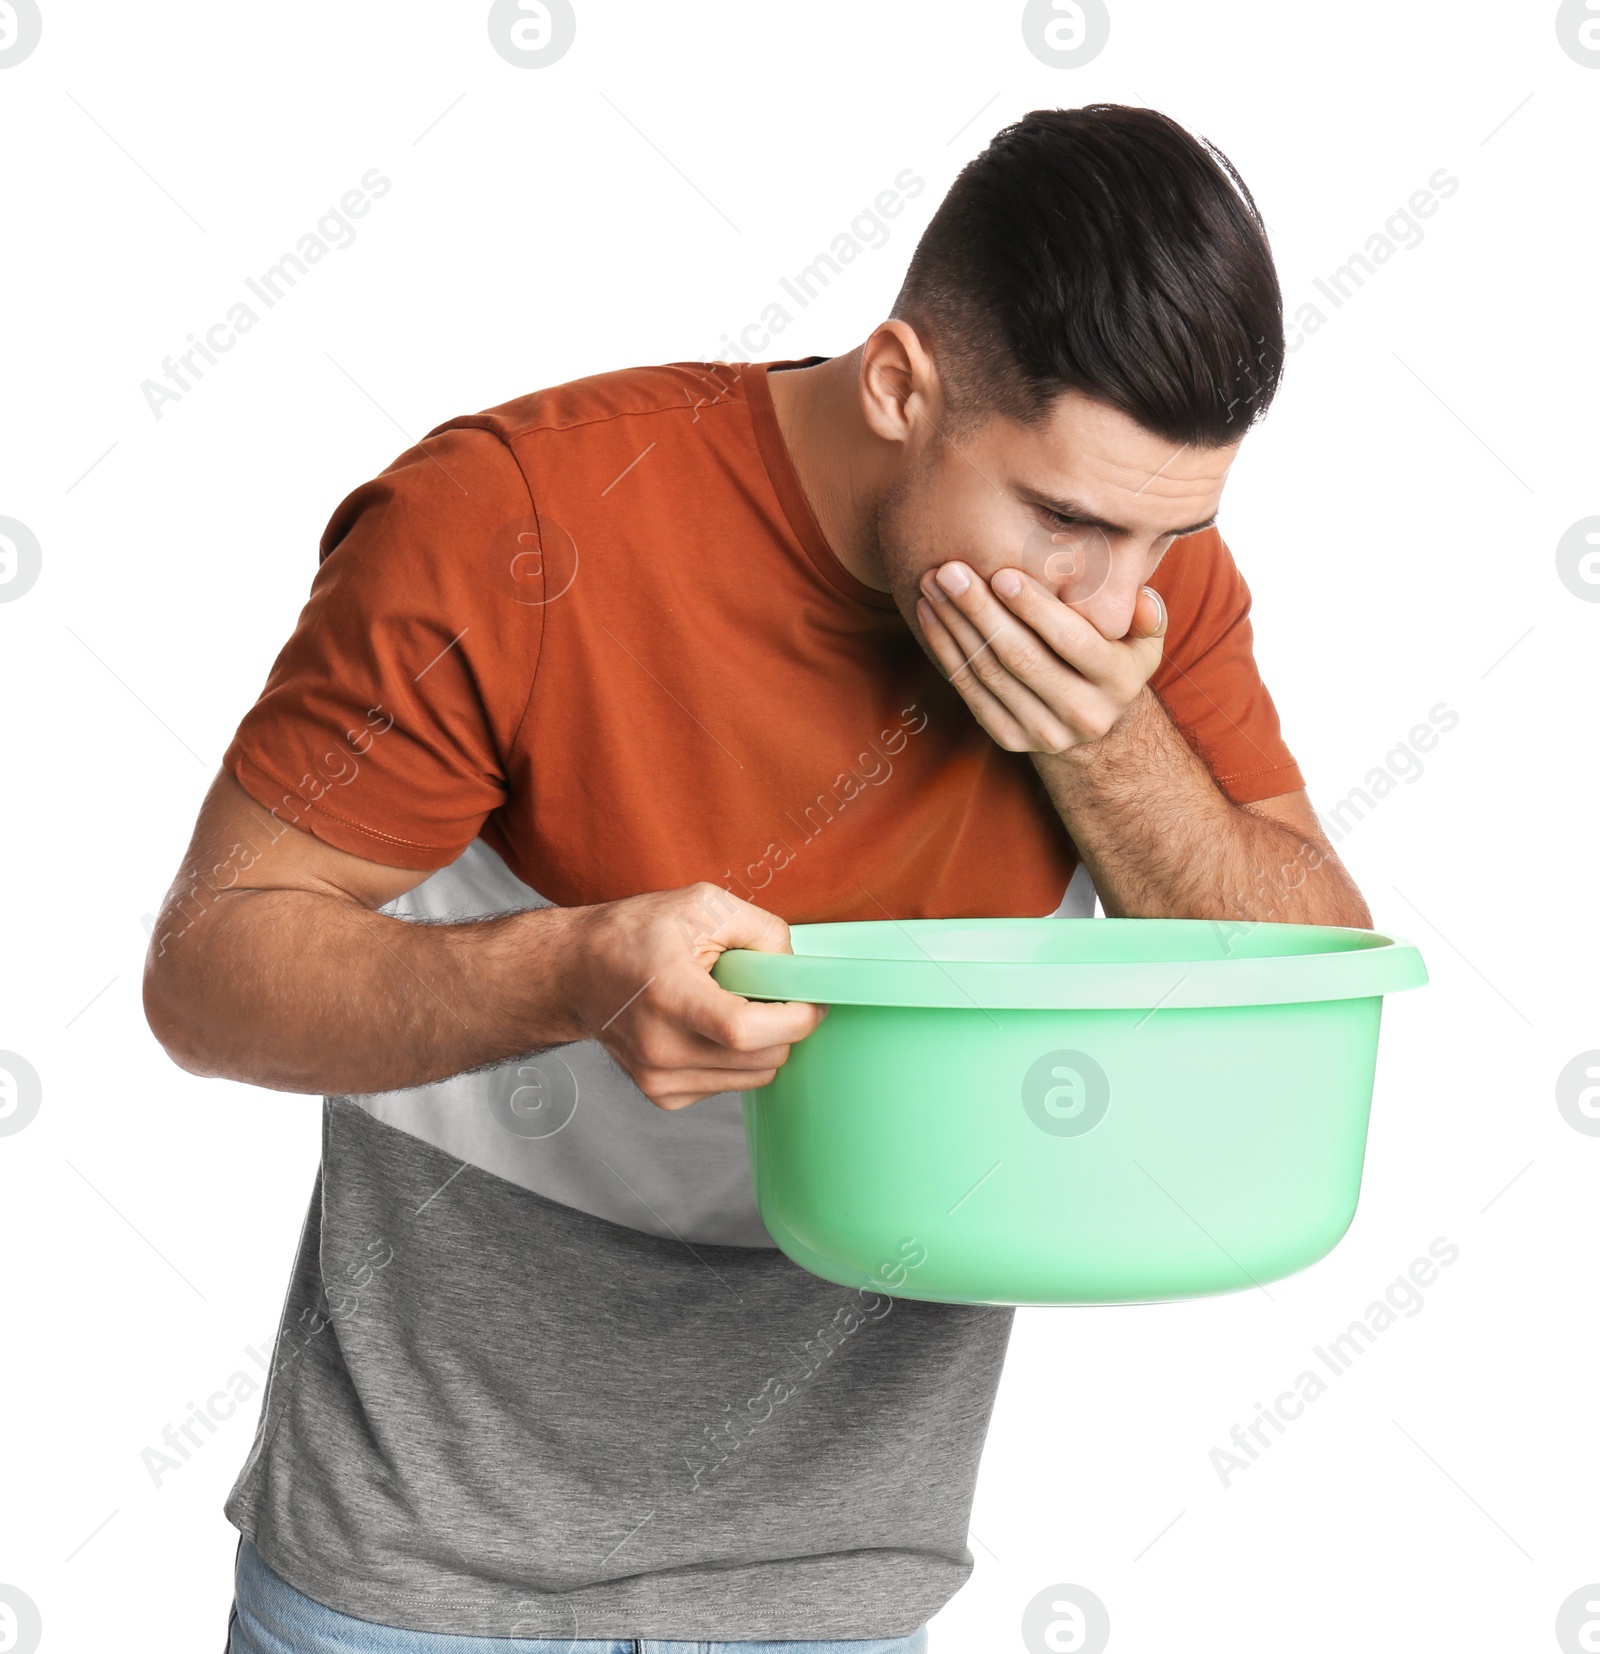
x=1104 y=250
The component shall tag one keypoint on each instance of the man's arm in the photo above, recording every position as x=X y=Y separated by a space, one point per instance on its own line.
x=1159 y=837
x=1161 y=840
x=269 y=964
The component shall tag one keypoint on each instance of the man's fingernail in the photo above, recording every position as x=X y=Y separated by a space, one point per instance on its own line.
x=1161 y=607
x=1007 y=582
x=953 y=578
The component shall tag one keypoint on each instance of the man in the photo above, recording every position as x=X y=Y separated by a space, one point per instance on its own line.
x=599 y=683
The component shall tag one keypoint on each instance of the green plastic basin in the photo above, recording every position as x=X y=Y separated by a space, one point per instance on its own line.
x=1068 y=1111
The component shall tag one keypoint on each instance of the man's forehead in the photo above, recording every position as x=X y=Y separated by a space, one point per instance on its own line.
x=1080 y=431
x=1100 y=463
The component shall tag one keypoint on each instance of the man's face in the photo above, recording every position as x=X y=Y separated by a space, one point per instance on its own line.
x=1086 y=502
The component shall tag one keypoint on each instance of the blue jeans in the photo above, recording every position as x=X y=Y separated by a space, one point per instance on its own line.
x=271 y=1617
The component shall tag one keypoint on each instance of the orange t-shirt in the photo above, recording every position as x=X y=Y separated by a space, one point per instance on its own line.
x=600 y=627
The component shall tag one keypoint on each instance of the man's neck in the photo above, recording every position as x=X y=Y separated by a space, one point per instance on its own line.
x=831 y=447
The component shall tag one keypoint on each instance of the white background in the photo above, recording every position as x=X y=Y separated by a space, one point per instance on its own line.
x=1397 y=518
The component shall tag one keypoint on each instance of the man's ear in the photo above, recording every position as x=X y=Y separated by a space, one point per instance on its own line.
x=901 y=397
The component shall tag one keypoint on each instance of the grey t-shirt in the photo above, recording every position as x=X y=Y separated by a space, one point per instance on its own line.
x=496 y=1415
x=542 y=1372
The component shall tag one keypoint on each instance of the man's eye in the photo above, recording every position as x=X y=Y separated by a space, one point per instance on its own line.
x=1058 y=521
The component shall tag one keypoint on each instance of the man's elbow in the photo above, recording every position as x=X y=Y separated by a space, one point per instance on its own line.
x=1357 y=914
x=173 y=1017
x=1342 y=899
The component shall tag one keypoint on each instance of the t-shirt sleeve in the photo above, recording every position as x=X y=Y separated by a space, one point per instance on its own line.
x=385 y=723
x=1208 y=681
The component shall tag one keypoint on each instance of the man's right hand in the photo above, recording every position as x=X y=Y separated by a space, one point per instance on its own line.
x=269 y=964
x=642 y=986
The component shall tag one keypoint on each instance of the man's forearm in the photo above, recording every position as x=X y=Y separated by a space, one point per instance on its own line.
x=1161 y=841
x=272 y=964
x=299 y=991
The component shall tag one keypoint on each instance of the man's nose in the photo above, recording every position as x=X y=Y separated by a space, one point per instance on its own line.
x=1109 y=609
x=1077 y=567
